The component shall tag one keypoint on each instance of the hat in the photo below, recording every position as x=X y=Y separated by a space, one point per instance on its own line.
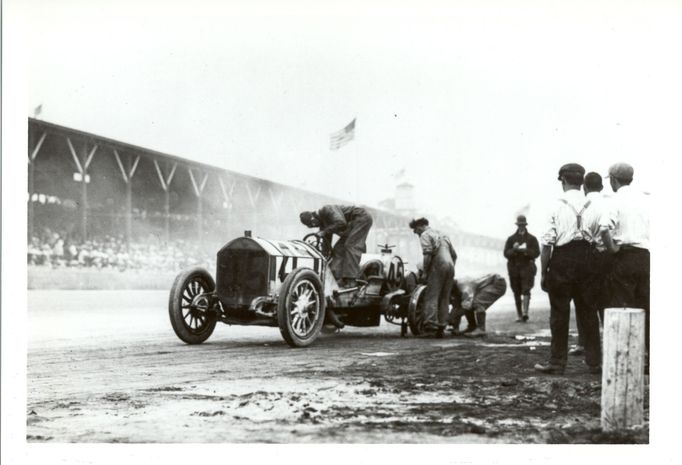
x=419 y=222
x=521 y=220
x=306 y=218
x=621 y=171
x=571 y=168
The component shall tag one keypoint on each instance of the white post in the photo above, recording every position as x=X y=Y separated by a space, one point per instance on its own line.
x=622 y=391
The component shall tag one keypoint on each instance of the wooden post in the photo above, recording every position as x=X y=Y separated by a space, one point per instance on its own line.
x=622 y=391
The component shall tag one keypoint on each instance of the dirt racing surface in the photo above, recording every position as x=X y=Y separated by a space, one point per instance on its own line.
x=105 y=366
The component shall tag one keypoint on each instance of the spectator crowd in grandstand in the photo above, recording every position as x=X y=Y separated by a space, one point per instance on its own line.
x=52 y=249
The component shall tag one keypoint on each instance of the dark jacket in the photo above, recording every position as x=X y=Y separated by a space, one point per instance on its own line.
x=521 y=258
x=334 y=219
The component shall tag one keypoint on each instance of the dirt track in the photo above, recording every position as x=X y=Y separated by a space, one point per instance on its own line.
x=105 y=366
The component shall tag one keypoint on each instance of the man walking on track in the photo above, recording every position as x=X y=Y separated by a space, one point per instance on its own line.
x=439 y=274
x=565 y=261
x=626 y=233
x=521 y=250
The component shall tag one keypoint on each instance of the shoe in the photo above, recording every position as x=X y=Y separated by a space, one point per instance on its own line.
x=478 y=332
x=525 y=318
x=333 y=319
x=457 y=332
x=576 y=350
x=550 y=369
x=439 y=333
x=594 y=370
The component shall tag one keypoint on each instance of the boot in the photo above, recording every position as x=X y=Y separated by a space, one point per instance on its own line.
x=471 y=324
x=480 y=329
x=519 y=313
x=525 y=302
x=454 y=322
x=333 y=319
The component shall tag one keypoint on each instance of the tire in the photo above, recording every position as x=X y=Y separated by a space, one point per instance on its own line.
x=300 y=324
x=415 y=310
x=190 y=316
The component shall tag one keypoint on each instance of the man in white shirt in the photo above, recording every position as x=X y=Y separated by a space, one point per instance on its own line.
x=625 y=232
x=565 y=259
x=600 y=258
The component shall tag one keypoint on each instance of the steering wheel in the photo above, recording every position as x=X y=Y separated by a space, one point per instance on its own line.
x=314 y=240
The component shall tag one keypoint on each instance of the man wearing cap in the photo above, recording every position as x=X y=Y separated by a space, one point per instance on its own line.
x=600 y=259
x=565 y=260
x=352 y=225
x=625 y=232
x=521 y=250
x=439 y=273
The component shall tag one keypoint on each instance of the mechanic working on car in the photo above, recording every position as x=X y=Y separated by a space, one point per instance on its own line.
x=471 y=297
x=352 y=225
x=438 y=273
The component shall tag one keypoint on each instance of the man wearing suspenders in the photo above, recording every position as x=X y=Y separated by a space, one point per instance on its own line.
x=600 y=258
x=565 y=260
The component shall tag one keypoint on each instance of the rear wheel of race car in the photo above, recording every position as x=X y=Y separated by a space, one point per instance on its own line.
x=189 y=306
x=415 y=310
x=301 y=307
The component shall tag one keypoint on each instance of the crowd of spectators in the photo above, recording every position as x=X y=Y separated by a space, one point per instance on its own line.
x=52 y=249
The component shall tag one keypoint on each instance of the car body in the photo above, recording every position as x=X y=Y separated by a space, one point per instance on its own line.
x=289 y=284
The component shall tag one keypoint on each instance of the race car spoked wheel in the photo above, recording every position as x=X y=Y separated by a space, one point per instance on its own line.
x=301 y=307
x=189 y=306
x=415 y=310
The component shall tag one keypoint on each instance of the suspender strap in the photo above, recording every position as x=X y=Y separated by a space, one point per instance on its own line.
x=578 y=214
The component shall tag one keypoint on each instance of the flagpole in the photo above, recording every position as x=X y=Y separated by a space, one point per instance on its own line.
x=357 y=172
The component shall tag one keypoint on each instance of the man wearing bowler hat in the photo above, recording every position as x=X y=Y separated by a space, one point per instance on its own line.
x=521 y=250
x=565 y=266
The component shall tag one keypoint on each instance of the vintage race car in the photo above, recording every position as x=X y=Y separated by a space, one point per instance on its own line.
x=288 y=284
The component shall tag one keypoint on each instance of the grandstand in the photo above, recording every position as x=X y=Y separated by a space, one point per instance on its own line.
x=90 y=191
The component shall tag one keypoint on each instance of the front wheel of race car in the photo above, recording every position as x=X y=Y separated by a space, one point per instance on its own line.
x=301 y=307
x=189 y=306
x=415 y=310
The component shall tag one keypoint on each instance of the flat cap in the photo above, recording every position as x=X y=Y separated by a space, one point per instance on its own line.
x=571 y=168
x=306 y=218
x=419 y=222
x=621 y=171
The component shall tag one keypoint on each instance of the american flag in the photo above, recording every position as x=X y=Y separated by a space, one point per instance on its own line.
x=342 y=137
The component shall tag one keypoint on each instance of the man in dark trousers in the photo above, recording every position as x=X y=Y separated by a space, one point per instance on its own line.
x=521 y=250
x=625 y=233
x=565 y=262
x=352 y=225
x=600 y=259
x=439 y=273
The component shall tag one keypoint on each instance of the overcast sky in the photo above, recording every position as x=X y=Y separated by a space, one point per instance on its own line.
x=480 y=102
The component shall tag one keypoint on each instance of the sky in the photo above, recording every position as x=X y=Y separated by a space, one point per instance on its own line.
x=480 y=102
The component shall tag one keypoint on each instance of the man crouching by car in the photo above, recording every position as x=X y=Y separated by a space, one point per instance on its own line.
x=471 y=297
